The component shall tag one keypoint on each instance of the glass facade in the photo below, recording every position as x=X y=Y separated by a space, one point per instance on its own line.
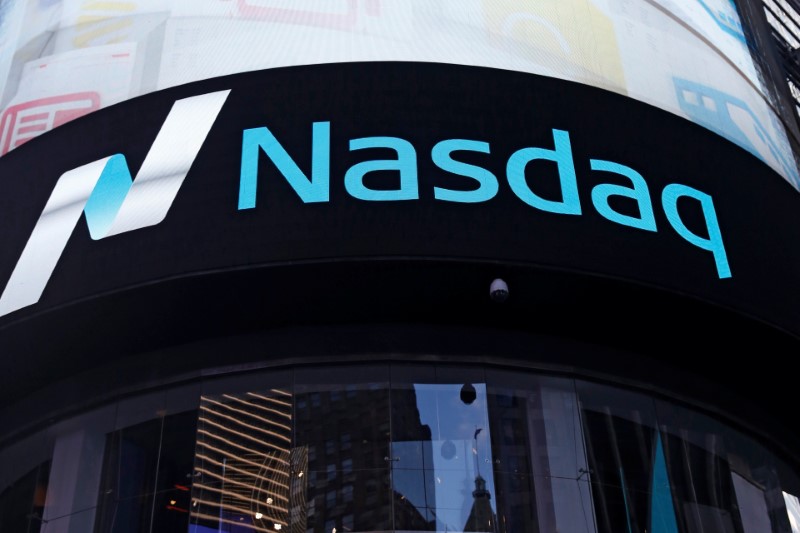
x=395 y=447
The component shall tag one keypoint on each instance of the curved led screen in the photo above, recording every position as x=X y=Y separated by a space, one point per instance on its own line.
x=61 y=59
x=357 y=161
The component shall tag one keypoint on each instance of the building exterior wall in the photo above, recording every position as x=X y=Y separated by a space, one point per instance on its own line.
x=248 y=249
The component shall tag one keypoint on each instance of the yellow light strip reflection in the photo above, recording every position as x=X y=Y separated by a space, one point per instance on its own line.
x=268 y=409
x=246 y=512
x=268 y=399
x=242 y=411
x=242 y=459
x=232 y=481
x=244 y=448
x=282 y=392
x=245 y=498
x=245 y=424
x=204 y=516
x=242 y=471
x=243 y=435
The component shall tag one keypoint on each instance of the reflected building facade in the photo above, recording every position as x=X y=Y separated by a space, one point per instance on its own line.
x=549 y=454
x=242 y=462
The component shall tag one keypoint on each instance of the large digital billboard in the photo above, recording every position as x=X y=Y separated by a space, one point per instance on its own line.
x=393 y=160
x=288 y=212
x=62 y=59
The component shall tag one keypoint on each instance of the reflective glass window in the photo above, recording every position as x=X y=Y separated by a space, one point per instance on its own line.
x=128 y=480
x=22 y=502
x=172 y=500
x=441 y=450
x=539 y=458
x=721 y=480
x=625 y=456
x=242 y=470
x=351 y=401
x=147 y=475
x=400 y=447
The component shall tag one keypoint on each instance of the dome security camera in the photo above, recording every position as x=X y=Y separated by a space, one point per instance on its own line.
x=468 y=393
x=498 y=290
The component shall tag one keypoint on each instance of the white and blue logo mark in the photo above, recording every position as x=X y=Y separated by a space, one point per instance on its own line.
x=113 y=202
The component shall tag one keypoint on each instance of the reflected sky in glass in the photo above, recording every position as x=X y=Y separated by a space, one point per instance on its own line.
x=439 y=477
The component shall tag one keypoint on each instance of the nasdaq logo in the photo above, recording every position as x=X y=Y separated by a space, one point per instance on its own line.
x=112 y=201
x=484 y=184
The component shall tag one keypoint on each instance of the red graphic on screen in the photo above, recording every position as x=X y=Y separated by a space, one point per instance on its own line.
x=22 y=122
x=255 y=9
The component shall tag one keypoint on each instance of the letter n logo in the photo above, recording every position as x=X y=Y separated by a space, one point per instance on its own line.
x=112 y=201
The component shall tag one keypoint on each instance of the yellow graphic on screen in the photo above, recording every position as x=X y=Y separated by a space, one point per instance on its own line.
x=103 y=23
x=571 y=37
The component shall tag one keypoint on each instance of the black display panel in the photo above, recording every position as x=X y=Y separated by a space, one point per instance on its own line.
x=625 y=221
x=410 y=160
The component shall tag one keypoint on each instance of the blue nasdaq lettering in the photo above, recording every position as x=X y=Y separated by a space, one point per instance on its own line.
x=316 y=188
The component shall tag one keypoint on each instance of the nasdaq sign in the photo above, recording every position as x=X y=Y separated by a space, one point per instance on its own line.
x=113 y=202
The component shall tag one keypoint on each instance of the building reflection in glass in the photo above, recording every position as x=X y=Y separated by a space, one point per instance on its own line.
x=242 y=469
x=322 y=460
x=540 y=468
x=344 y=428
x=441 y=458
x=412 y=454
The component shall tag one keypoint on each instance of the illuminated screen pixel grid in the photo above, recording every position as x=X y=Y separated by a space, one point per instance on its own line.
x=62 y=59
